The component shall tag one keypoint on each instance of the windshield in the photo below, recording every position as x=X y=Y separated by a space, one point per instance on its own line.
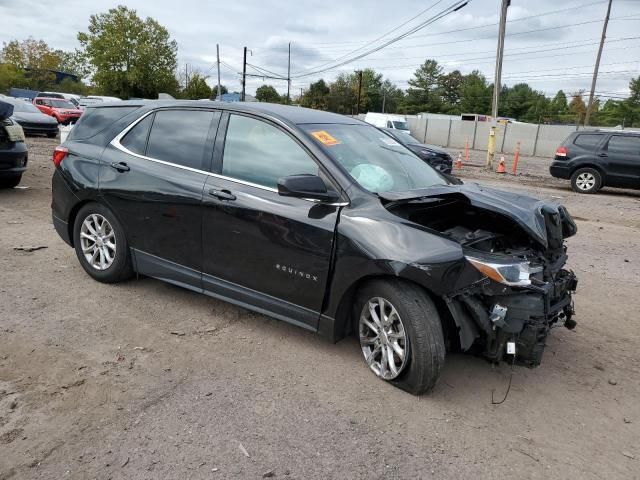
x=21 y=106
x=400 y=125
x=376 y=161
x=61 y=103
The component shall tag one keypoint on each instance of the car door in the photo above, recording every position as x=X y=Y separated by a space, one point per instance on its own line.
x=43 y=106
x=259 y=248
x=152 y=176
x=623 y=156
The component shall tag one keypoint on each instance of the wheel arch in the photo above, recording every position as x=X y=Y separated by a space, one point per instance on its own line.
x=342 y=324
x=592 y=165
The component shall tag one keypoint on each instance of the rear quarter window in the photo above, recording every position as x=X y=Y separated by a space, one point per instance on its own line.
x=588 y=140
x=94 y=120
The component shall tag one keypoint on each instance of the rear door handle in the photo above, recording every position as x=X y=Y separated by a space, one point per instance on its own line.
x=120 y=166
x=222 y=194
x=602 y=154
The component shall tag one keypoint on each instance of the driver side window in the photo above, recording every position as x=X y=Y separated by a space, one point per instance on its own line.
x=260 y=153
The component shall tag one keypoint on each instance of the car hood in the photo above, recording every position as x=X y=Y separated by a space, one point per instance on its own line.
x=426 y=146
x=6 y=110
x=526 y=211
x=34 y=117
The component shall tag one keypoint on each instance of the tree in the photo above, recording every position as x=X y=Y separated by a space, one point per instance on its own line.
x=74 y=62
x=316 y=96
x=450 y=86
x=197 y=88
x=475 y=94
x=423 y=94
x=342 y=95
x=35 y=58
x=577 y=107
x=11 y=76
x=131 y=56
x=266 y=93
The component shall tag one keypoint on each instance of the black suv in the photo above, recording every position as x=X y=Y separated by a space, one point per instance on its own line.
x=13 y=150
x=318 y=220
x=437 y=157
x=593 y=159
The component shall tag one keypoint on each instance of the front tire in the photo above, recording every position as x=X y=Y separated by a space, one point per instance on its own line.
x=101 y=245
x=400 y=334
x=586 y=180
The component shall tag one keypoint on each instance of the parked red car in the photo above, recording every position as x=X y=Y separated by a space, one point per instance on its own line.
x=62 y=110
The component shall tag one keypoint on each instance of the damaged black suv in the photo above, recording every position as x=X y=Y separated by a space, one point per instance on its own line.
x=319 y=220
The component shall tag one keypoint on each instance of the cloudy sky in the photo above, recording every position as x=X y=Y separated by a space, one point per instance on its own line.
x=549 y=44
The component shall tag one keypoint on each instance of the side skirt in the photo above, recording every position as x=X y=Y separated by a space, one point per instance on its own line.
x=170 y=272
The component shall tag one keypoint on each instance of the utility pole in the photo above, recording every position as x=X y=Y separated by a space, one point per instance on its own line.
x=595 y=70
x=244 y=74
x=186 y=75
x=289 y=75
x=497 y=85
x=384 y=98
x=359 y=91
x=218 y=57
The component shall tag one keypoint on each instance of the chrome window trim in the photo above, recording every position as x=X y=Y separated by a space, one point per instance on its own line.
x=116 y=144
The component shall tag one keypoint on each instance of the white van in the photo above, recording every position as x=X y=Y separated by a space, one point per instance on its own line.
x=384 y=120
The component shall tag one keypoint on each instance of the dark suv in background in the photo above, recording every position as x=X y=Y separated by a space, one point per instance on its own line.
x=598 y=158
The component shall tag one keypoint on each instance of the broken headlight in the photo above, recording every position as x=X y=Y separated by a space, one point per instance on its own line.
x=515 y=274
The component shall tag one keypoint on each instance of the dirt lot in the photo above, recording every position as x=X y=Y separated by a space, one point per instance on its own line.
x=146 y=380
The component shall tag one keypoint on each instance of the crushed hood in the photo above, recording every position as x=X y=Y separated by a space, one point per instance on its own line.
x=6 y=110
x=526 y=211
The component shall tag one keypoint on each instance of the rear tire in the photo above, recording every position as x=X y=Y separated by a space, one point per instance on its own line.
x=101 y=245
x=586 y=180
x=10 y=182
x=423 y=345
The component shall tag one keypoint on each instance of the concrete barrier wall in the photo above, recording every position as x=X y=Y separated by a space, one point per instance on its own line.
x=537 y=140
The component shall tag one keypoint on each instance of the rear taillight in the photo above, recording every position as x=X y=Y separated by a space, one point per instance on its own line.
x=562 y=152
x=59 y=154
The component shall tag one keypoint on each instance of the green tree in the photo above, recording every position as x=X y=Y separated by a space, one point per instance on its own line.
x=266 y=93
x=342 y=95
x=35 y=58
x=424 y=93
x=316 y=96
x=475 y=94
x=11 y=76
x=450 y=86
x=74 y=62
x=197 y=88
x=558 y=109
x=392 y=97
x=131 y=56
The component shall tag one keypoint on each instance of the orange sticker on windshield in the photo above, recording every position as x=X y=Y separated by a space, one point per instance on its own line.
x=325 y=138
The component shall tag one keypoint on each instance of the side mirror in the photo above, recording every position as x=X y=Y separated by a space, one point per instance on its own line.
x=306 y=186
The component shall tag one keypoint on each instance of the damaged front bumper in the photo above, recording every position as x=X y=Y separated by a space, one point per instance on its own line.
x=490 y=315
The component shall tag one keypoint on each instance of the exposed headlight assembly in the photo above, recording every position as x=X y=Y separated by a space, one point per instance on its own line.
x=428 y=153
x=513 y=274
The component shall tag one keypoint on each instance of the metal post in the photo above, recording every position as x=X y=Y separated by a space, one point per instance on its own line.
x=244 y=74
x=597 y=66
x=426 y=125
x=218 y=57
x=535 y=142
x=475 y=131
x=289 y=75
x=384 y=99
x=497 y=84
x=449 y=133
x=504 y=137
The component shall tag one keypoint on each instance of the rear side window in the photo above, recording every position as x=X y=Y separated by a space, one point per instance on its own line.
x=588 y=140
x=624 y=144
x=136 y=140
x=257 y=152
x=180 y=136
x=94 y=120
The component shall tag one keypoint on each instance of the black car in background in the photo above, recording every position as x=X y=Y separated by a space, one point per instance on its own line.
x=437 y=157
x=32 y=120
x=13 y=150
x=593 y=159
x=319 y=220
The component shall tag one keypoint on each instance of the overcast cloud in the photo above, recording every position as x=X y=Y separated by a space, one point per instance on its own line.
x=555 y=56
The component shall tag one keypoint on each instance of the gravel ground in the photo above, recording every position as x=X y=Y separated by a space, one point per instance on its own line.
x=146 y=380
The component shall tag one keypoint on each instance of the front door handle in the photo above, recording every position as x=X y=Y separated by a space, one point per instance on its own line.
x=222 y=194
x=602 y=154
x=120 y=166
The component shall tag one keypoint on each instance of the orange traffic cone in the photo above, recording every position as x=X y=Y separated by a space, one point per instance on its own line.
x=501 y=168
x=458 y=162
